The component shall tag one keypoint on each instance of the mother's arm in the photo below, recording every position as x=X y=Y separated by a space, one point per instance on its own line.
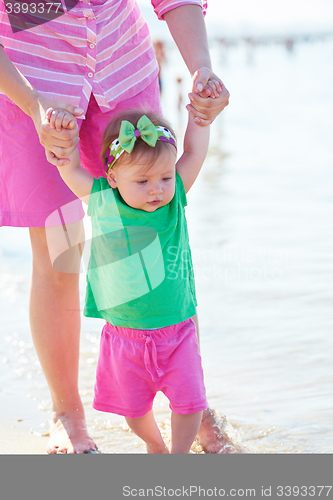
x=22 y=93
x=187 y=27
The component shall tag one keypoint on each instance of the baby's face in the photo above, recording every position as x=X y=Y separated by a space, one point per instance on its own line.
x=146 y=188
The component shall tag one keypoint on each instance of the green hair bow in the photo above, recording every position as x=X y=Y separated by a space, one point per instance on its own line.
x=128 y=134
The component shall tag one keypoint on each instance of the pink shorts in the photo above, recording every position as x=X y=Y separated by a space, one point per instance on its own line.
x=134 y=364
x=30 y=187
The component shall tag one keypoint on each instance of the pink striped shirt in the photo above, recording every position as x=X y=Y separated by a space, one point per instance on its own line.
x=100 y=46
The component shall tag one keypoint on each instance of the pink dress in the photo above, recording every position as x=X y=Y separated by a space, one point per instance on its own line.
x=98 y=56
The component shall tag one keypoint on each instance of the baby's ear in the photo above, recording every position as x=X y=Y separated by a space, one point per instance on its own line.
x=111 y=179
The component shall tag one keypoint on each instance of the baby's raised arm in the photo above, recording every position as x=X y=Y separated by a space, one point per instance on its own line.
x=76 y=178
x=196 y=142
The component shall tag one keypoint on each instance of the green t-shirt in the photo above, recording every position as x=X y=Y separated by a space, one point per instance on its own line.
x=140 y=272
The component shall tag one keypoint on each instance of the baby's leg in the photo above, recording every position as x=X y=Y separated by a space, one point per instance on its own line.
x=146 y=428
x=184 y=429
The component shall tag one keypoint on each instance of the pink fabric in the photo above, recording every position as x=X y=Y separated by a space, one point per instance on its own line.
x=30 y=187
x=163 y=6
x=134 y=364
x=100 y=46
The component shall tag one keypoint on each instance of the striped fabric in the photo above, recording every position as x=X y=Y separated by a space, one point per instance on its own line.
x=100 y=46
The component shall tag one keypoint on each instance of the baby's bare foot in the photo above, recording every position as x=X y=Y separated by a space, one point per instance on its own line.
x=68 y=434
x=215 y=435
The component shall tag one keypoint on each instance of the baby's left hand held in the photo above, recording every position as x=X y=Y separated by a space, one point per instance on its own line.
x=213 y=89
x=208 y=97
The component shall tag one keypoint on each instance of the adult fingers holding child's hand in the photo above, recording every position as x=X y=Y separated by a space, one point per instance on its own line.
x=61 y=142
x=208 y=97
x=202 y=77
x=54 y=160
x=64 y=137
x=206 y=109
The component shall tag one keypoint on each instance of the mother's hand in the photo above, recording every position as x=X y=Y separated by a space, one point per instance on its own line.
x=203 y=107
x=62 y=142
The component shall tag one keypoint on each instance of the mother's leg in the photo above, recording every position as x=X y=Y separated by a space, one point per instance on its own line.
x=30 y=190
x=55 y=327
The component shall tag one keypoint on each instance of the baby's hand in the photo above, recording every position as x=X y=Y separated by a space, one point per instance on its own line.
x=212 y=89
x=60 y=119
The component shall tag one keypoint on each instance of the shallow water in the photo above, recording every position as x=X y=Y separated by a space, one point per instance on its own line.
x=260 y=222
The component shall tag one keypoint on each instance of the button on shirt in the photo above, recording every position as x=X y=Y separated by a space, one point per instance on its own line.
x=100 y=46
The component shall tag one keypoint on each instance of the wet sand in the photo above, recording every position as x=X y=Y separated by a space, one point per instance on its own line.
x=19 y=416
x=16 y=439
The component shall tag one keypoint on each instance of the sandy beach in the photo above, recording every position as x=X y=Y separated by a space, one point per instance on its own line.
x=16 y=439
x=17 y=421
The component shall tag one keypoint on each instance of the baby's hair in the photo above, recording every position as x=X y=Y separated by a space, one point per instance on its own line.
x=141 y=147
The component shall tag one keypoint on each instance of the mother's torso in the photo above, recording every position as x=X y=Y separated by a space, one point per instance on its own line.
x=99 y=46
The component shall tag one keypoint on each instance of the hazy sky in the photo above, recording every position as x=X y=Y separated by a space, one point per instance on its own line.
x=265 y=14
x=282 y=16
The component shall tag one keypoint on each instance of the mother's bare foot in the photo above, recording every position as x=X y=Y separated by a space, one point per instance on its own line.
x=216 y=434
x=68 y=434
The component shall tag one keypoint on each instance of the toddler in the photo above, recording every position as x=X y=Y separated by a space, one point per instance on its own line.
x=140 y=275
